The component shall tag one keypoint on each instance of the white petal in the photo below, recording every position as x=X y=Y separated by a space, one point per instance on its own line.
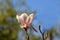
x=30 y=18
x=20 y=19
x=24 y=16
x=16 y=16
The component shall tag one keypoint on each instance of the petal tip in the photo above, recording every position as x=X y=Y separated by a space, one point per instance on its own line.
x=16 y=16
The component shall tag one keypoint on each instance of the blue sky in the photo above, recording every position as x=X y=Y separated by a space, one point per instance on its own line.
x=48 y=12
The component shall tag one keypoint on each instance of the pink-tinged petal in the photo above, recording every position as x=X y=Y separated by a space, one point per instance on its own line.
x=29 y=18
x=20 y=19
x=24 y=16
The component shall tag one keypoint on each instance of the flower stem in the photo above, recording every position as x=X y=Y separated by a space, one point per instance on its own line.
x=27 y=36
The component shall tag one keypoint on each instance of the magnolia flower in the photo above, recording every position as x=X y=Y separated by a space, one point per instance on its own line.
x=25 y=20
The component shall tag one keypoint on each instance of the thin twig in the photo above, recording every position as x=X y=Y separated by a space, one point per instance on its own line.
x=43 y=36
x=34 y=29
x=40 y=29
x=41 y=33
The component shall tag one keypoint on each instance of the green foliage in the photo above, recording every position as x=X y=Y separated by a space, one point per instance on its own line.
x=35 y=38
x=8 y=23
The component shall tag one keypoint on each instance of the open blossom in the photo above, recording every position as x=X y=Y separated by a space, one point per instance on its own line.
x=25 y=20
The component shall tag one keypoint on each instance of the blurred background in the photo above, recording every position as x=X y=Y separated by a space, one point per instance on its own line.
x=47 y=14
